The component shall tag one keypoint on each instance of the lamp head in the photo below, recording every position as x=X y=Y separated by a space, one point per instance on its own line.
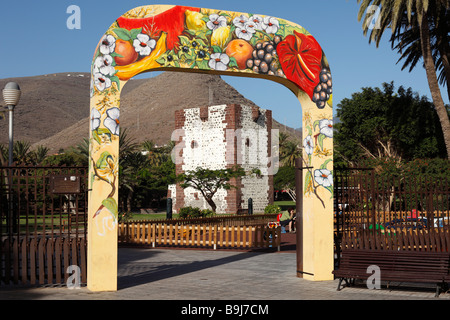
x=11 y=94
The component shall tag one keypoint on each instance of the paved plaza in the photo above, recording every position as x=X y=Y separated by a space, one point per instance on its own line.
x=176 y=274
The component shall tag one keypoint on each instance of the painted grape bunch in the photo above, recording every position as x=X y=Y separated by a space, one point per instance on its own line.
x=264 y=58
x=323 y=90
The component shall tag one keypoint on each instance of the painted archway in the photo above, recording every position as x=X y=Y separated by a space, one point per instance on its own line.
x=179 y=38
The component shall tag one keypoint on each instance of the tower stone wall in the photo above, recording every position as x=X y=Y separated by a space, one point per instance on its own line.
x=219 y=137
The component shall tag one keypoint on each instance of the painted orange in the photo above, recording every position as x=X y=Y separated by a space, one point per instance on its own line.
x=126 y=51
x=241 y=50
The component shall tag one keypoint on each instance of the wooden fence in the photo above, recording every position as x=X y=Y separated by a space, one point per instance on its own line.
x=199 y=235
x=221 y=219
x=42 y=260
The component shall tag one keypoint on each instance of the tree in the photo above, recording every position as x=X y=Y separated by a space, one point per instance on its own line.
x=408 y=44
x=289 y=152
x=21 y=152
x=399 y=15
x=379 y=123
x=209 y=181
x=39 y=155
x=284 y=179
x=82 y=149
x=157 y=155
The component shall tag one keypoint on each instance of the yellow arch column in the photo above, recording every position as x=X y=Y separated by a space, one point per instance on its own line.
x=178 y=38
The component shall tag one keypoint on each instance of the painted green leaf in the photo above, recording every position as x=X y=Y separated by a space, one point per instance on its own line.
x=233 y=63
x=201 y=42
x=324 y=165
x=316 y=123
x=98 y=133
x=114 y=54
x=161 y=60
x=307 y=181
x=111 y=205
x=135 y=32
x=183 y=40
x=320 y=140
x=123 y=34
x=116 y=80
x=102 y=162
x=216 y=49
x=96 y=136
x=92 y=179
x=203 y=64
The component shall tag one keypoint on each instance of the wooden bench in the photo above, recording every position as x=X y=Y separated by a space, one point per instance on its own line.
x=398 y=266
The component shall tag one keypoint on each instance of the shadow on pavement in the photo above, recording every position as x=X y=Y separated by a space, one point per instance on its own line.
x=142 y=270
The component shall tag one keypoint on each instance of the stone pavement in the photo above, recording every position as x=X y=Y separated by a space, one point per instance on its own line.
x=189 y=275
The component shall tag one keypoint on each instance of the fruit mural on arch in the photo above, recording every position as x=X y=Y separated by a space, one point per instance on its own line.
x=180 y=38
x=209 y=39
x=225 y=42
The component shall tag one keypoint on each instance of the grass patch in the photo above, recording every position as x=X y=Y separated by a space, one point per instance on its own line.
x=152 y=216
x=285 y=205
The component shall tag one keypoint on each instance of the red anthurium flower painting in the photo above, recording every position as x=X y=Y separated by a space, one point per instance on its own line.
x=171 y=21
x=300 y=58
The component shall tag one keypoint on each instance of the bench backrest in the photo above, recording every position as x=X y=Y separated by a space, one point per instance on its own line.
x=397 y=261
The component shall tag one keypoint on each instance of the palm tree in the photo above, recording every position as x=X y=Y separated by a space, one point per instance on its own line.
x=399 y=15
x=157 y=155
x=152 y=152
x=21 y=152
x=130 y=169
x=127 y=144
x=289 y=153
x=408 y=45
x=82 y=149
x=283 y=137
x=39 y=154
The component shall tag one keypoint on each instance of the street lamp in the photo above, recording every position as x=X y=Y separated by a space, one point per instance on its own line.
x=11 y=96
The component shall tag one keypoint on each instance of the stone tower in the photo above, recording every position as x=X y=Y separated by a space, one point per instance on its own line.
x=219 y=137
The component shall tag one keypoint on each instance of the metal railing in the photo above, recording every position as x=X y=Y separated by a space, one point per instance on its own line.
x=43 y=223
x=374 y=211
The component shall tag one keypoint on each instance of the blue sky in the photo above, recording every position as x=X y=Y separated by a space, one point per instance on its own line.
x=35 y=40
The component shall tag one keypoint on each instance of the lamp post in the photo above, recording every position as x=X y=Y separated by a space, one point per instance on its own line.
x=11 y=96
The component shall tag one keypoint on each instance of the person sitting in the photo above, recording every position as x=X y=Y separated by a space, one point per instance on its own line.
x=286 y=218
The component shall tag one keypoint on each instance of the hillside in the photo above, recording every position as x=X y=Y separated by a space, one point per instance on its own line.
x=54 y=109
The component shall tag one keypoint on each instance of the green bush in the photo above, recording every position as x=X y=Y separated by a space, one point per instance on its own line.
x=193 y=212
x=207 y=213
x=272 y=208
x=125 y=216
